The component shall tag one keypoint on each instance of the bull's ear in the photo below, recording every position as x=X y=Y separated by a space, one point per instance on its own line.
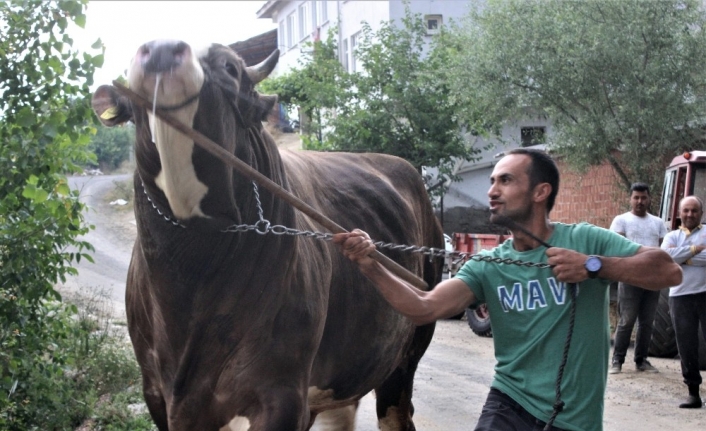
x=267 y=103
x=262 y=70
x=110 y=107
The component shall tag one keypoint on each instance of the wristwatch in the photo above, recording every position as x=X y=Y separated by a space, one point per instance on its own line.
x=593 y=264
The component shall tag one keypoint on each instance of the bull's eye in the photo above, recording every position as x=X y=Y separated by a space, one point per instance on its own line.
x=231 y=69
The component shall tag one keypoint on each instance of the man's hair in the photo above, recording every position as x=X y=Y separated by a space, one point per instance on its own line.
x=696 y=198
x=541 y=170
x=639 y=187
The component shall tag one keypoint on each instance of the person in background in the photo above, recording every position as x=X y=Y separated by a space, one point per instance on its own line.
x=635 y=302
x=687 y=301
x=531 y=306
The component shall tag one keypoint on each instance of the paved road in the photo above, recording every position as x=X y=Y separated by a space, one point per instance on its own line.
x=112 y=239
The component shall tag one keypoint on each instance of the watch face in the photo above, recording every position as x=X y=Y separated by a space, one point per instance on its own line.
x=593 y=264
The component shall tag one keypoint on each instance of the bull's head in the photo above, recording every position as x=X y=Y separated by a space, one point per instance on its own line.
x=213 y=91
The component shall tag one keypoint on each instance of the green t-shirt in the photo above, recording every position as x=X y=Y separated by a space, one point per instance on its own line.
x=530 y=313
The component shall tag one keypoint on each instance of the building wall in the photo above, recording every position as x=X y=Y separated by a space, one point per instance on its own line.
x=475 y=175
x=594 y=197
x=351 y=14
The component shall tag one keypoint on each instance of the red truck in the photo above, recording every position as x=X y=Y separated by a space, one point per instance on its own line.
x=472 y=243
x=685 y=176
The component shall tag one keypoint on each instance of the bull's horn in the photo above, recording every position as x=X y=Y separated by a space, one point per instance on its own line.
x=262 y=70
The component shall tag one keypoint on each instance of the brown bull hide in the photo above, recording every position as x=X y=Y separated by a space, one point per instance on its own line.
x=240 y=331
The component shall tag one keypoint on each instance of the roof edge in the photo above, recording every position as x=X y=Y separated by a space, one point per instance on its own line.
x=267 y=9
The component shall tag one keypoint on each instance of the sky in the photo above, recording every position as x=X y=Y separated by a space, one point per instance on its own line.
x=123 y=26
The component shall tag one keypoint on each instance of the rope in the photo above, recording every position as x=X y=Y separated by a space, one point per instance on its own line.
x=558 y=403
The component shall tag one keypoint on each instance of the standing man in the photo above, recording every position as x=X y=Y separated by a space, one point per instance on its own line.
x=531 y=306
x=687 y=301
x=635 y=302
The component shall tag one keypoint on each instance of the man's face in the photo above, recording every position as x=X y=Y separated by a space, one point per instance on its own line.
x=509 y=192
x=639 y=203
x=690 y=212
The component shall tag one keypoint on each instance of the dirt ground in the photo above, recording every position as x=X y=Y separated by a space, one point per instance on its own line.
x=453 y=377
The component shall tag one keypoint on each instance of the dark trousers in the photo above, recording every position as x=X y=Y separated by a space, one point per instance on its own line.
x=688 y=312
x=502 y=413
x=634 y=303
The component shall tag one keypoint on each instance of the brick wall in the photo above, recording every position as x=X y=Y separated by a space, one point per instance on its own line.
x=594 y=196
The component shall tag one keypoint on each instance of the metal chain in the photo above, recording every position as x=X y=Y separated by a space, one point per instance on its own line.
x=263 y=226
x=165 y=216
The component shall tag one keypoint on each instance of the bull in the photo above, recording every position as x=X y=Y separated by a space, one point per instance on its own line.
x=237 y=331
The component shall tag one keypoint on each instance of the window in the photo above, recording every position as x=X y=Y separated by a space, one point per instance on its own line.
x=433 y=23
x=354 y=44
x=319 y=17
x=290 y=30
x=314 y=15
x=344 y=55
x=532 y=136
x=304 y=23
x=282 y=36
x=322 y=11
x=666 y=210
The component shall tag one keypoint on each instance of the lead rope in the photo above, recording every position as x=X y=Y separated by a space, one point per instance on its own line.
x=558 y=403
x=573 y=287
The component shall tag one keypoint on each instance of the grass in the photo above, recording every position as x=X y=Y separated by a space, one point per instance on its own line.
x=105 y=370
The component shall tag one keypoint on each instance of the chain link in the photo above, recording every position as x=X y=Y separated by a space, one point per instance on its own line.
x=263 y=227
x=164 y=216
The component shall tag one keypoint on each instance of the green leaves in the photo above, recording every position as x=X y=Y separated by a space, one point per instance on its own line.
x=46 y=115
x=111 y=145
x=394 y=103
x=620 y=81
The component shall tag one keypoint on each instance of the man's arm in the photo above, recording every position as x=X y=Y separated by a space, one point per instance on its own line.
x=650 y=268
x=699 y=258
x=687 y=254
x=447 y=299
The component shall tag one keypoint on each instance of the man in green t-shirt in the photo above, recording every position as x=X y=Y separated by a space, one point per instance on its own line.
x=531 y=306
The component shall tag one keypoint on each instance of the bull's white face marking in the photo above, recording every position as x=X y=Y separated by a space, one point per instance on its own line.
x=342 y=419
x=390 y=421
x=239 y=423
x=177 y=179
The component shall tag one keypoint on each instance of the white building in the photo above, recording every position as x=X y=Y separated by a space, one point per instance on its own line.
x=303 y=21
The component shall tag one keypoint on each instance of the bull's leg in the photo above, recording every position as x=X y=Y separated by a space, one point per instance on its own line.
x=155 y=403
x=282 y=410
x=394 y=402
x=341 y=419
x=394 y=397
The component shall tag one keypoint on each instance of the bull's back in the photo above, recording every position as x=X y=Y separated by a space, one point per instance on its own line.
x=381 y=193
x=384 y=196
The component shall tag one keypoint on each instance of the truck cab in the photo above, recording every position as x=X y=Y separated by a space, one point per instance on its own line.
x=685 y=176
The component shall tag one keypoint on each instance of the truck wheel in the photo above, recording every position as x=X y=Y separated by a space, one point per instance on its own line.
x=479 y=321
x=663 y=343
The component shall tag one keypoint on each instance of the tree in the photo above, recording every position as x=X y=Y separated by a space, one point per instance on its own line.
x=394 y=103
x=622 y=82
x=315 y=86
x=45 y=119
x=111 y=145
